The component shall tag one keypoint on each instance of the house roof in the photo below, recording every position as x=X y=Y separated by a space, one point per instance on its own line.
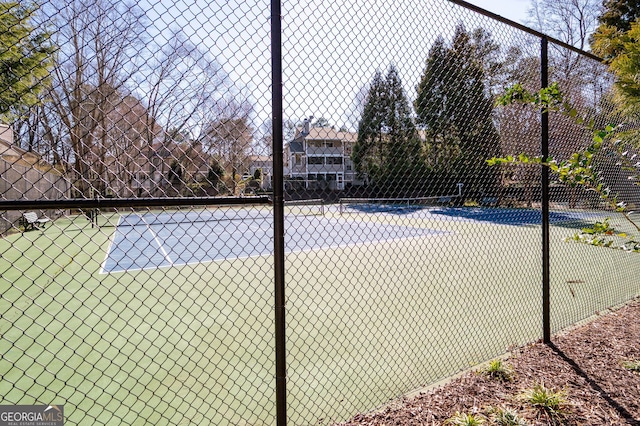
x=296 y=146
x=325 y=133
x=14 y=154
x=6 y=134
x=256 y=158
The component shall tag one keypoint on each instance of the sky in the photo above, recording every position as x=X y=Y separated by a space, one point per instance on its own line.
x=516 y=10
x=331 y=49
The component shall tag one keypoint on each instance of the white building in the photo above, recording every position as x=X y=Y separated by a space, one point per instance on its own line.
x=264 y=163
x=320 y=158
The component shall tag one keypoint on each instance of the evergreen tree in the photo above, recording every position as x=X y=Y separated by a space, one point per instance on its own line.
x=442 y=143
x=620 y=13
x=388 y=151
x=25 y=59
x=405 y=159
x=617 y=40
x=367 y=151
x=454 y=108
x=616 y=23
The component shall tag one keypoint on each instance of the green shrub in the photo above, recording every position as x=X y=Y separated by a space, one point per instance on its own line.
x=506 y=417
x=632 y=365
x=546 y=399
x=498 y=370
x=464 y=419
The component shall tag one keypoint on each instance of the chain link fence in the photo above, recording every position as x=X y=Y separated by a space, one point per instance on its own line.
x=147 y=241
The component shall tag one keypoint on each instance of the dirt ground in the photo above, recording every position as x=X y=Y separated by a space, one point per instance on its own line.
x=591 y=368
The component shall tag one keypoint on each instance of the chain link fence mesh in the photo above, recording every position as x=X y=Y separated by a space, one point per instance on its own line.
x=454 y=278
x=140 y=288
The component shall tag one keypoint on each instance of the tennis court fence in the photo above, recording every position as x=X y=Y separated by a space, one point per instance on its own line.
x=153 y=269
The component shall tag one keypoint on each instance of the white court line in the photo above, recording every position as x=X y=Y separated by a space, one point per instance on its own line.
x=259 y=228
x=433 y=233
x=111 y=242
x=155 y=238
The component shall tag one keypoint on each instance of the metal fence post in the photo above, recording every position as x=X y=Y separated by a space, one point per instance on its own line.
x=544 y=142
x=278 y=214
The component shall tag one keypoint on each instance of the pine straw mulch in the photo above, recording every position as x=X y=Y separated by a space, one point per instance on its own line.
x=587 y=363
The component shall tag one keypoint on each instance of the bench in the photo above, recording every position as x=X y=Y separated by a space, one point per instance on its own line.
x=30 y=220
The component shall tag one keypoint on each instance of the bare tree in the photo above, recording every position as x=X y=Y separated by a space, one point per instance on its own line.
x=124 y=150
x=573 y=22
x=230 y=137
x=584 y=82
x=264 y=143
x=98 y=44
x=185 y=89
x=354 y=113
x=113 y=93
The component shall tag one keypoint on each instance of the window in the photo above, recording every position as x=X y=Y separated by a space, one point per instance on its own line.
x=298 y=159
x=316 y=160
x=334 y=160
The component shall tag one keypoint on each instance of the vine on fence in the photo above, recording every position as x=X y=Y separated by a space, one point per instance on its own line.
x=579 y=170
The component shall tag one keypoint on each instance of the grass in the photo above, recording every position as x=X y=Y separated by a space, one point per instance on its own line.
x=550 y=401
x=497 y=369
x=195 y=343
x=465 y=419
x=633 y=365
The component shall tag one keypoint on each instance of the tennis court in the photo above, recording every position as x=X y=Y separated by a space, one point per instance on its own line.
x=415 y=209
x=154 y=240
x=149 y=240
x=365 y=319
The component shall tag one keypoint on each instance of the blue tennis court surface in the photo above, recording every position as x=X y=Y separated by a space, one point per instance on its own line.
x=498 y=216
x=149 y=241
x=517 y=217
x=142 y=244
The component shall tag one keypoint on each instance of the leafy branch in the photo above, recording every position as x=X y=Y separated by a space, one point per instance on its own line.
x=579 y=169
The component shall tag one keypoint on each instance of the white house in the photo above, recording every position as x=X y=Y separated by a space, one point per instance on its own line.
x=264 y=163
x=320 y=157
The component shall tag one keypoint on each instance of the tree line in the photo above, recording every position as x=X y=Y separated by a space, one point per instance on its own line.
x=610 y=157
x=85 y=86
x=453 y=127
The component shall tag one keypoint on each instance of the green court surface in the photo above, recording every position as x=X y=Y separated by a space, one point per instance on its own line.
x=194 y=344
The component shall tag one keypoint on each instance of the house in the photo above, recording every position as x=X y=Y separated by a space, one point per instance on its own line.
x=264 y=163
x=13 y=154
x=25 y=175
x=320 y=158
